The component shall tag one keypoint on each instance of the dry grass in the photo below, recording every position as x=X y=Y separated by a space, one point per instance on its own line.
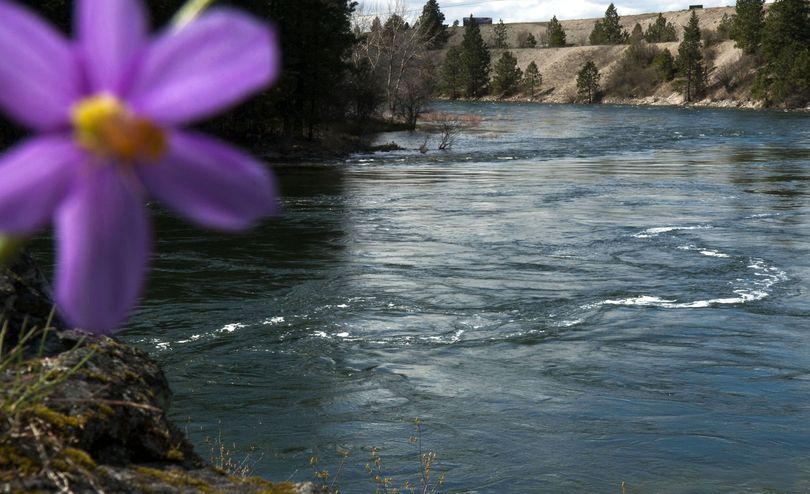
x=32 y=439
x=229 y=459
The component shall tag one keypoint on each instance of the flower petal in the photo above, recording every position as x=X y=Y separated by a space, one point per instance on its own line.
x=195 y=71
x=104 y=238
x=34 y=177
x=211 y=183
x=39 y=73
x=110 y=34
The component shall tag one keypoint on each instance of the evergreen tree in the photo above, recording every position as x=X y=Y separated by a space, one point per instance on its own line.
x=787 y=24
x=376 y=25
x=555 y=33
x=532 y=80
x=316 y=38
x=664 y=65
x=785 y=78
x=531 y=41
x=690 y=60
x=452 y=73
x=499 y=35
x=747 y=25
x=431 y=25
x=660 y=31
x=637 y=34
x=394 y=23
x=588 y=82
x=608 y=31
x=507 y=75
x=725 y=28
x=475 y=61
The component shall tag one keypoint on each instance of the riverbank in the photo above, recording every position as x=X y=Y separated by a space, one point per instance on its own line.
x=85 y=414
x=673 y=99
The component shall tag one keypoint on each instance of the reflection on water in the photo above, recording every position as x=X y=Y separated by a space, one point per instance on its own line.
x=570 y=298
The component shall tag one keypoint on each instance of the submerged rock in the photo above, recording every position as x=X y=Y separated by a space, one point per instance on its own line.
x=86 y=414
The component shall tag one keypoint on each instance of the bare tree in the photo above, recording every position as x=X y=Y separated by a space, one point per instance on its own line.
x=450 y=126
x=396 y=52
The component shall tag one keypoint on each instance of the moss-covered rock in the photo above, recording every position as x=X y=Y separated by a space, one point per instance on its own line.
x=86 y=414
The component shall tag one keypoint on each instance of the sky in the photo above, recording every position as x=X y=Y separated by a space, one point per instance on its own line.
x=535 y=10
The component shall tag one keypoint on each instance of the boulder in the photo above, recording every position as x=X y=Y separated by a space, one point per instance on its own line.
x=80 y=413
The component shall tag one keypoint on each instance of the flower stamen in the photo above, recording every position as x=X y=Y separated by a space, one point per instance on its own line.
x=105 y=126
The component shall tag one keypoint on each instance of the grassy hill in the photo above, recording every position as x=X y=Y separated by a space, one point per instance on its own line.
x=730 y=74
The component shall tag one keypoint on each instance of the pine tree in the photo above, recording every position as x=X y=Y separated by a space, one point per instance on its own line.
x=394 y=23
x=637 y=34
x=690 y=59
x=431 y=25
x=660 y=31
x=532 y=80
x=747 y=25
x=608 y=31
x=588 y=82
x=376 y=25
x=475 y=61
x=452 y=72
x=788 y=23
x=785 y=78
x=555 y=33
x=531 y=41
x=507 y=75
x=664 y=65
x=499 y=35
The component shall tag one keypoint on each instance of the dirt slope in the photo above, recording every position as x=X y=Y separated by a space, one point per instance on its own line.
x=559 y=66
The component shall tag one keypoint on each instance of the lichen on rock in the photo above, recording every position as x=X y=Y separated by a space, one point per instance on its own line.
x=87 y=414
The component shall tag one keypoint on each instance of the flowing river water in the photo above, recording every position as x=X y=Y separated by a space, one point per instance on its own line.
x=571 y=298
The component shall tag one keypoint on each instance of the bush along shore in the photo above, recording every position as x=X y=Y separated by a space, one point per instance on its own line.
x=88 y=414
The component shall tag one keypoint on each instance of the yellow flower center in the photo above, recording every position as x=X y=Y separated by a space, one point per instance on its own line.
x=105 y=126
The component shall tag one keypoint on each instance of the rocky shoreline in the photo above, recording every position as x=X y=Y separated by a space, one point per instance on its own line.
x=88 y=414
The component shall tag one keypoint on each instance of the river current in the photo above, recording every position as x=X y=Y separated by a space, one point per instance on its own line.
x=571 y=298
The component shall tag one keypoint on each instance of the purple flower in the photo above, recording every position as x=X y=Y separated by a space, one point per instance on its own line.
x=106 y=109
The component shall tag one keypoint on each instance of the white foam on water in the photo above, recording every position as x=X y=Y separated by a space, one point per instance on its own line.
x=705 y=252
x=765 y=277
x=642 y=300
x=230 y=328
x=273 y=320
x=191 y=338
x=654 y=232
x=713 y=253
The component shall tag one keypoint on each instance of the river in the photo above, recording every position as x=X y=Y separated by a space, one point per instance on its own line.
x=571 y=298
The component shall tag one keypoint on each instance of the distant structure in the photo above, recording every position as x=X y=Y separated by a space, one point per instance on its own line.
x=477 y=20
x=695 y=7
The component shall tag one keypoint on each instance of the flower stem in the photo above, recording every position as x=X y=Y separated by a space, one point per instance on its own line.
x=189 y=11
x=8 y=248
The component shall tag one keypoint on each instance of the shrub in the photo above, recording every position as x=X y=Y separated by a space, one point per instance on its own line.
x=635 y=74
x=664 y=65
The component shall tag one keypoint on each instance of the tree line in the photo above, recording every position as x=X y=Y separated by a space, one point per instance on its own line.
x=775 y=64
x=338 y=70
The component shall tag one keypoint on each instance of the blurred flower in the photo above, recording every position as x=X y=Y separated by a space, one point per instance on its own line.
x=106 y=110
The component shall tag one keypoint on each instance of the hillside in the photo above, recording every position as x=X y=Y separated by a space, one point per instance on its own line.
x=578 y=30
x=559 y=66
